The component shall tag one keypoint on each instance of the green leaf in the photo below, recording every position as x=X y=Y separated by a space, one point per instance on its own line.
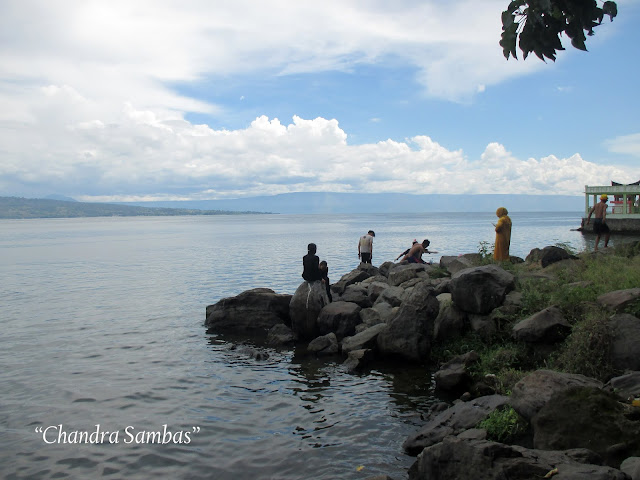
x=507 y=19
x=515 y=5
x=611 y=9
x=508 y=41
x=578 y=42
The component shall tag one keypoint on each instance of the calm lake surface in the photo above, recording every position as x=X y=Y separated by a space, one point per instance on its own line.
x=102 y=331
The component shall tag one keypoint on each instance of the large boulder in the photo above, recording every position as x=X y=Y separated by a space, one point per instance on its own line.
x=588 y=417
x=459 y=458
x=385 y=311
x=391 y=295
x=354 y=276
x=548 y=325
x=627 y=385
x=461 y=262
x=619 y=299
x=385 y=267
x=454 y=375
x=402 y=273
x=625 y=341
x=324 y=345
x=532 y=392
x=374 y=289
x=304 y=309
x=340 y=318
x=357 y=293
x=548 y=255
x=363 y=340
x=552 y=255
x=450 y=323
x=409 y=333
x=251 y=312
x=481 y=289
x=631 y=466
x=280 y=334
x=462 y=416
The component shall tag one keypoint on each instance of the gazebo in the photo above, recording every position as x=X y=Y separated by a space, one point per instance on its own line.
x=624 y=199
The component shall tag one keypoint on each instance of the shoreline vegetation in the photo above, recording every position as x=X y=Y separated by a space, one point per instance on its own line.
x=22 y=208
x=541 y=355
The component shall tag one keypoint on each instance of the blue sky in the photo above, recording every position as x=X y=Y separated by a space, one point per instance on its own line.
x=131 y=101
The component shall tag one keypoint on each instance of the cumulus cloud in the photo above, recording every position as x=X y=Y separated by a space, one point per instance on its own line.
x=138 y=154
x=91 y=107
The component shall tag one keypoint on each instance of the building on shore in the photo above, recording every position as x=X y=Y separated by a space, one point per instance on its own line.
x=623 y=214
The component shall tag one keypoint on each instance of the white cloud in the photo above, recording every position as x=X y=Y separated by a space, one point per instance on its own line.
x=135 y=49
x=625 y=144
x=89 y=107
x=143 y=154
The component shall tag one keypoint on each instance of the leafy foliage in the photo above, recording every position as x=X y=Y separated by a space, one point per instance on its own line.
x=537 y=25
x=503 y=425
x=586 y=350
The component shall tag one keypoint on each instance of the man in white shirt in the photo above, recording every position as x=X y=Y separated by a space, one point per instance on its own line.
x=365 y=247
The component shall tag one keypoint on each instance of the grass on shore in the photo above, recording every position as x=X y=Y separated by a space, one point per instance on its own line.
x=572 y=286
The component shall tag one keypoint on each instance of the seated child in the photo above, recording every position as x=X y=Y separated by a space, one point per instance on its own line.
x=324 y=271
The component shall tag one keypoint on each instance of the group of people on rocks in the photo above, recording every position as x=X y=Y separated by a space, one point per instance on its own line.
x=314 y=269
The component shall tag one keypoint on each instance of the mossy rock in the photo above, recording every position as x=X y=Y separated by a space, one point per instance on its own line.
x=587 y=417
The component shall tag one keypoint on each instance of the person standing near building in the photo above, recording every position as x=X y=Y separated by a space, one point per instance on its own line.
x=503 y=235
x=365 y=247
x=600 y=223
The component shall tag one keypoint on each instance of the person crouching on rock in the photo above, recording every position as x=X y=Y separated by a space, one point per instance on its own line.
x=324 y=271
x=415 y=254
x=310 y=265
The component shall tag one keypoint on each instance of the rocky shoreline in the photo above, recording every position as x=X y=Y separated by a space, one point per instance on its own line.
x=558 y=423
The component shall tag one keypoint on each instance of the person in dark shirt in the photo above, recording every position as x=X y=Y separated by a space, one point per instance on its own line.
x=324 y=271
x=310 y=264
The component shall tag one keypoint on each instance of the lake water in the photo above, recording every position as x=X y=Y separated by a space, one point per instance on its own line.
x=102 y=331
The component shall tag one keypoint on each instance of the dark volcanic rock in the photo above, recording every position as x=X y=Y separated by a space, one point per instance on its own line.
x=410 y=332
x=304 y=309
x=587 y=417
x=548 y=325
x=532 y=392
x=252 y=312
x=340 y=318
x=481 y=289
x=458 y=458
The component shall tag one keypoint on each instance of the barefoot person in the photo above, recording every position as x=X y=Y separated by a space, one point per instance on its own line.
x=407 y=250
x=416 y=252
x=600 y=223
x=365 y=247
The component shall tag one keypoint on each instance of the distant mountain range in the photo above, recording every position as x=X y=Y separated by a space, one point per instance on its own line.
x=318 y=202
x=57 y=206
x=15 y=207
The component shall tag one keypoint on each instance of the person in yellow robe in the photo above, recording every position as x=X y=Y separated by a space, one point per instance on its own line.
x=503 y=235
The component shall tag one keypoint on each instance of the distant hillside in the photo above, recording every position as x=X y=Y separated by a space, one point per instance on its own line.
x=321 y=202
x=14 y=207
